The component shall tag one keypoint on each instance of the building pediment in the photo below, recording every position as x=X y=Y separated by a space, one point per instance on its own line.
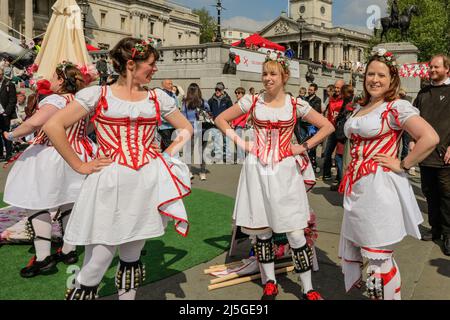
x=279 y=26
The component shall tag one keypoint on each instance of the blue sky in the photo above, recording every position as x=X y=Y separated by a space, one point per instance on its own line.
x=256 y=13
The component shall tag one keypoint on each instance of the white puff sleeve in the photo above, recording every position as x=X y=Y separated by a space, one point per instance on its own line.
x=88 y=97
x=167 y=104
x=303 y=108
x=405 y=111
x=246 y=102
x=54 y=100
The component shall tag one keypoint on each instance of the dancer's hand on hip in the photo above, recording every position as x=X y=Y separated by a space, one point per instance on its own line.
x=297 y=149
x=94 y=165
x=389 y=162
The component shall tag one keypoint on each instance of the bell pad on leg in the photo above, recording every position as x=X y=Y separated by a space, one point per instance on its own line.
x=302 y=258
x=130 y=275
x=84 y=293
x=29 y=229
x=375 y=287
x=264 y=250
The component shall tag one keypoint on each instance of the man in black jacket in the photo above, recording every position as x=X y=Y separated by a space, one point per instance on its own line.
x=8 y=100
x=433 y=101
x=218 y=103
x=316 y=103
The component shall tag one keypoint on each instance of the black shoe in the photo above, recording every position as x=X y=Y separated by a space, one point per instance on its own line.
x=35 y=268
x=447 y=245
x=327 y=178
x=432 y=235
x=70 y=258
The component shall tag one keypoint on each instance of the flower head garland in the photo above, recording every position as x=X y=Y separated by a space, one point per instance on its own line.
x=278 y=57
x=89 y=72
x=63 y=66
x=387 y=57
x=141 y=47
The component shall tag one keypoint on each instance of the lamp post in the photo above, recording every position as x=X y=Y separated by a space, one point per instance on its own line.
x=219 y=32
x=301 y=24
x=345 y=42
x=84 y=7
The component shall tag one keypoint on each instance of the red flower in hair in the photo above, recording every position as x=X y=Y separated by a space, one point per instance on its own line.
x=43 y=87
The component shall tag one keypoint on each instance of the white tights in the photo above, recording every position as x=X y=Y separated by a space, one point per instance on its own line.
x=296 y=240
x=42 y=226
x=98 y=259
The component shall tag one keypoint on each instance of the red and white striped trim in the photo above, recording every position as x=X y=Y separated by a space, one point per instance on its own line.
x=364 y=149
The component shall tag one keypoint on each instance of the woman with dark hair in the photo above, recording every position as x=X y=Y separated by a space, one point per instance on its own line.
x=197 y=111
x=380 y=208
x=41 y=181
x=132 y=189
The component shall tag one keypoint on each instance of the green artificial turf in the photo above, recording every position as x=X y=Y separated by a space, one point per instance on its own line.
x=209 y=235
x=2 y=204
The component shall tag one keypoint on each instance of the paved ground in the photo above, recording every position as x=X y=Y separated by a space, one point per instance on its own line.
x=425 y=270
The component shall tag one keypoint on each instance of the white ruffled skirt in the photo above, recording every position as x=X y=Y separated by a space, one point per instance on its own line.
x=119 y=205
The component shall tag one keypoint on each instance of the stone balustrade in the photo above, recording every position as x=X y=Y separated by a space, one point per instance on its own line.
x=204 y=63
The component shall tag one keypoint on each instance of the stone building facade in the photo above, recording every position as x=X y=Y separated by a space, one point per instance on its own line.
x=230 y=35
x=108 y=21
x=319 y=39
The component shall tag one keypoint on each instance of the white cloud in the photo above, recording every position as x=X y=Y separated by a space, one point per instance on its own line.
x=245 y=23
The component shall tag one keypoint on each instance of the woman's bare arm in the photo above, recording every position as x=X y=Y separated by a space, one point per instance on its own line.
x=184 y=129
x=34 y=123
x=55 y=129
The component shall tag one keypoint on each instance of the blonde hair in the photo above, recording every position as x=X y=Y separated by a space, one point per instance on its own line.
x=271 y=66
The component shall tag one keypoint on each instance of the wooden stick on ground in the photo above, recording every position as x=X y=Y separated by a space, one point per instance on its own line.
x=232 y=276
x=223 y=267
x=246 y=279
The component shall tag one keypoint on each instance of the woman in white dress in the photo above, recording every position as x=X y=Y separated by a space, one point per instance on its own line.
x=271 y=195
x=380 y=208
x=131 y=189
x=41 y=181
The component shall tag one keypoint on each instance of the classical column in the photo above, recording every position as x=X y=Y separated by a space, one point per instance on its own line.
x=336 y=54
x=320 y=51
x=350 y=53
x=135 y=20
x=165 y=19
x=330 y=53
x=311 y=50
x=145 y=26
x=4 y=15
x=28 y=18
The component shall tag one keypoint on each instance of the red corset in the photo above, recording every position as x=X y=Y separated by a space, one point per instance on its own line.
x=126 y=141
x=273 y=137
x=76 y=134
x=364 y=149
